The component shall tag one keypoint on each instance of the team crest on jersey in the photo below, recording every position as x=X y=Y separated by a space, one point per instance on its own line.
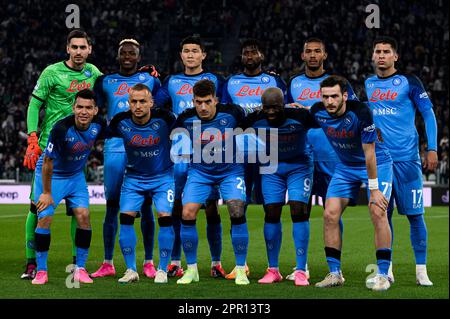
x=348 y=120
x=94 y=131
x=397 y=81
x=223 y=122
x=121 y=105
x=156 y=126
x=265 y=79
x=142 y=77
x=205 y=77
x=87 y=73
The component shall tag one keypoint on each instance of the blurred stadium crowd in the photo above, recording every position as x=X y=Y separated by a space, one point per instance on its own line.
x=32 y=36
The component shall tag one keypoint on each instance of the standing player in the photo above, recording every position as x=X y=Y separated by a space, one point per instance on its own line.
x=177 y=89
x=149 y=173
x=245 y=89
x=294 y=174
x=208 y=124
x=364 y=157
x=112 y=92
x=59 y=175
x=394 y=98
x=304 y=90
x=55 y=91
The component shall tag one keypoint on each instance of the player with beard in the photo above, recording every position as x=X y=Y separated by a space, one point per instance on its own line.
x=246 y=89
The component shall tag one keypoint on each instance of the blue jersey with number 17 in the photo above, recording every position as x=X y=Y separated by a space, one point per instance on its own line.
x=112 y=92
x=305 y=90
x=394 y=101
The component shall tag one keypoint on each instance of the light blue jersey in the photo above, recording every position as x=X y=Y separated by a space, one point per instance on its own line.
x=178 y=88
x=393 y=101
x=112 y=92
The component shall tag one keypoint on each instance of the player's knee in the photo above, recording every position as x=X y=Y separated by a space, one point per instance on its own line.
x=44 y=222
x=82 y=216
x=83 y=238
x=33 y=208
x=273 y=213
x=190 y=212
x=126 y=219
x=299 y=211
x=236 y=208
x=378 y=215
x=165 y=221
x=331 y=216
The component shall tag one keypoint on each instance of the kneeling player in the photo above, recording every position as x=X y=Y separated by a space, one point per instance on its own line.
x=209 y=169
x=59 y=175
x=149 y=173
x=294 y=173
x=364 y=157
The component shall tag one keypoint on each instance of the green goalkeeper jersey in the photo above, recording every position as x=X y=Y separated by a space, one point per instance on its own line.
x=56 y=88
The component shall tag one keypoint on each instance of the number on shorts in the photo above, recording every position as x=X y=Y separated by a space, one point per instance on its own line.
x=307 y=184
x=170 y=196
x=241 y=183
x=386 y=187
x=417 y=202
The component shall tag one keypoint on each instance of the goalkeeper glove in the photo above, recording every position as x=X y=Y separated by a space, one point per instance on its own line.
x=150 y=69
x=33 y=152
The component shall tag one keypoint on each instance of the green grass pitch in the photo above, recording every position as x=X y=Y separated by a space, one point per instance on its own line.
x=358 y=253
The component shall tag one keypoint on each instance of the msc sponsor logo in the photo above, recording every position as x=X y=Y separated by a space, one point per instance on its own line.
x=385 y=111
x=345 y=146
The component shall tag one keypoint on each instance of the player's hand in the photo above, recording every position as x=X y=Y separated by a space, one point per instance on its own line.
x=377 y=198
x=33 y=152
x=431 y=161
x=298 y=105
x=45 y=200
x=150 y=69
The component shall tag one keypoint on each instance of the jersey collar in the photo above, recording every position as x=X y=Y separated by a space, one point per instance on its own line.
x=72 y=69
x=387 y=77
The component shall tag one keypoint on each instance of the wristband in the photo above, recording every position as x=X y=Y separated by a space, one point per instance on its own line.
x=373 y=183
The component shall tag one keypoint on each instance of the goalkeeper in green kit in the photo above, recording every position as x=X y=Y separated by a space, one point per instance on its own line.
x=55 y=91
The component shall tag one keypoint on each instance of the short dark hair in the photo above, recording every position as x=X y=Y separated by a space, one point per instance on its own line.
x=333 y=80
x=204 y=88
x=192 y=39
x=388 y=40
x=78 y=33
x=141 y=87
x=251 y=43
x=316 y=40
x=85 y=94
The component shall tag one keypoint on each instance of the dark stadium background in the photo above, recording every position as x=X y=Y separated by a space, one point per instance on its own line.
x=32 y=36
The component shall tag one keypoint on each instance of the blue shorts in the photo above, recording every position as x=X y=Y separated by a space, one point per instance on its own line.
x=73 y=189
x=347 y=180
x=160 y=187
x=180 y=172
x=407 y=188
x=295 y=178
x=323 y=172
x=113 y=170
x=199 y=185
